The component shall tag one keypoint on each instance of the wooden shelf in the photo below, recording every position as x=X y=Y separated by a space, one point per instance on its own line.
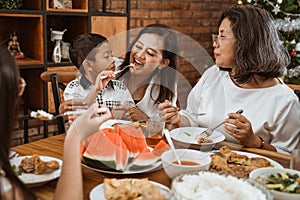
x=77 y=6
x=32 y=25
x=31 y=42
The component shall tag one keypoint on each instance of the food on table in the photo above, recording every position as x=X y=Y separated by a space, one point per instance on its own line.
x=228 y=162
x=16 y=170
x=283 y=182
x=204 y=140
x=120 y=148
x=130 y=189
x=35 y=165
x=207 y=186
x=132 y=67
x=40 y=114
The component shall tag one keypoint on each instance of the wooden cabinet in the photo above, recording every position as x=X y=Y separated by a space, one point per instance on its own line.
x=32 y=24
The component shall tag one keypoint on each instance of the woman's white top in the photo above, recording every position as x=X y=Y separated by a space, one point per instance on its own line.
x=147 y=103
x=274 y=112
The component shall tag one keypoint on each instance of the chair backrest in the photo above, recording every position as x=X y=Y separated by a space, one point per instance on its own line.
x=57 y=79
x=56 y=97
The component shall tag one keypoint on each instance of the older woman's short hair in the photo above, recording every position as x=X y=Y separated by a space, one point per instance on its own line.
x=258 y=49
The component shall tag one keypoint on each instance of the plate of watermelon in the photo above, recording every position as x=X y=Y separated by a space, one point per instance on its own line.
x=121 y=150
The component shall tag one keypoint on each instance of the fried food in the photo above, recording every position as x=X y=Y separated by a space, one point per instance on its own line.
x=131 y=189
x=204 y=140
x=232 y=163
x=35 y=165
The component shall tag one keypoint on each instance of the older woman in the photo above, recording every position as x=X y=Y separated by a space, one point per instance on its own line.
x=249 y=59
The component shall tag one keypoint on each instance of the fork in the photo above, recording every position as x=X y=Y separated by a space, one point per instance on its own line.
x=68 y=113
x=51 y=117
x=208 y=131
x=119 y=71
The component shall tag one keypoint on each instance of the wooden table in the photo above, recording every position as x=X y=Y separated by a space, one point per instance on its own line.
x=53 y=146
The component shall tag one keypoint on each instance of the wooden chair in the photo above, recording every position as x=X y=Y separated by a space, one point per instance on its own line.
x=58 y=80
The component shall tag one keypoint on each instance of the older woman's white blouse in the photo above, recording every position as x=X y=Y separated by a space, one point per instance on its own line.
x=274 y=112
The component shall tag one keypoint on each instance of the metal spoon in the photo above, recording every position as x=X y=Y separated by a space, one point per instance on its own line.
x=119 y=71
x=168 y=137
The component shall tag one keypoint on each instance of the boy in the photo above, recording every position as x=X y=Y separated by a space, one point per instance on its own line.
x=92 y=55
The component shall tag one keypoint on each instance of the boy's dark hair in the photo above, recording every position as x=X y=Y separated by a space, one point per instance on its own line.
x=82 y=46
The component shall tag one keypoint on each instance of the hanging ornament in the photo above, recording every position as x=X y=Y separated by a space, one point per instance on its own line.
x=280 y=1
x=249 y=1
x=276 y=9
x=240 y=2
x=287 y=19
x=293 y=53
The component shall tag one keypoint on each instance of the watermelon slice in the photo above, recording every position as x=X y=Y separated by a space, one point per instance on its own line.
x=148 y=157
x=144 y=160
x=105 y=150
x=112 y=149
x=160 y=148
x=133 y=137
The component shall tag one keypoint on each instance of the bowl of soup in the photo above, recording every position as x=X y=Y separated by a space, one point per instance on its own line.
x=191 y=161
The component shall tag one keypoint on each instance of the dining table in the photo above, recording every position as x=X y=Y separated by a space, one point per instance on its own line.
x=53 y=147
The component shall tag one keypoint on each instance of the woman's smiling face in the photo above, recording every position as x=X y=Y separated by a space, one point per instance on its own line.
x=146 y=54
x=224 y=48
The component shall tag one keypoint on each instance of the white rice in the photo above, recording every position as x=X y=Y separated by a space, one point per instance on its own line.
x=206 y=185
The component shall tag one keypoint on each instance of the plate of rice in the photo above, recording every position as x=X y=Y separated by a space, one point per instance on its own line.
x=207 y=185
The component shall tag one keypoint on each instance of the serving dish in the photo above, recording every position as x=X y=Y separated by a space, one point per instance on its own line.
x=33 y=180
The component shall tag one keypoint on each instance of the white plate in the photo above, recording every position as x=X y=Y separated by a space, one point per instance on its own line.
x=110 y=123
x=189 y=136
x=97 y=192
x=252 y=155
x=33 y=180
x=149 y=168
x=12 y=154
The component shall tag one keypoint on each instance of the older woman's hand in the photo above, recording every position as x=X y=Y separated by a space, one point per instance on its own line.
x=240 y=128
x=169 y=113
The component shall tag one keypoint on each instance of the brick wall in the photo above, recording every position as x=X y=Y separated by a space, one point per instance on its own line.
x=194 y=18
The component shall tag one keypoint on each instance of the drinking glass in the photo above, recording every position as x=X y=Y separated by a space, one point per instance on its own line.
x=295 y=159
x=121 y=111
x=155 y=131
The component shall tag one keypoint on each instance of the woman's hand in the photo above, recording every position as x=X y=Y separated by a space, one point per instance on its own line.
x=90 y=121
x=240 y=128
x=169 y=113
x=136 y=114
x=72 y=104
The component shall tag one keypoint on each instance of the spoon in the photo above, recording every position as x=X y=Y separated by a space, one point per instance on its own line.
x=119 y=71
x=168 y=137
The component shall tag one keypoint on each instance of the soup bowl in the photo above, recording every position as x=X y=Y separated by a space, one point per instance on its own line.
x=191 y=161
